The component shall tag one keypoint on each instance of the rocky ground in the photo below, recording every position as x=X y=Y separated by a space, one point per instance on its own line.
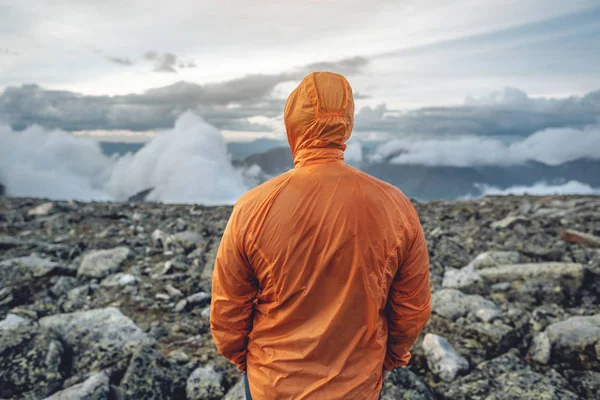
x=110 y=301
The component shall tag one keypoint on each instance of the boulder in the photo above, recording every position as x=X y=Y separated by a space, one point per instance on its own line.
x=102 y=263
x=13 y=321
x=119 y=280
x=41 y=210
x=509 y=222
x=460 y=278
x=96 y=387
x=402 y=383
x=496 y=337
x=452 y=304
x=442 y=359
x=205 y=384
x=151 y=376
x=187 y=240
x=576 y=340
x=30 y=363
x=96 y=337
x=237 y=391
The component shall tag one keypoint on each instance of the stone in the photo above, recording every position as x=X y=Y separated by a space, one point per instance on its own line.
x=181 y=305
x=205 y=384
x=96 y=387
x=159 y=239
x=13 y=321
x=460 y=278
x=97 y=337
x=575 y=339
x=237 y=391
x=495 y=259
x=209 y=266
x=509 y=222
x=151 y=376
x=179 y=357
x=198 y=298
x=452 y=304
x=528 y=385
x=30 y=363
x=570 y=275
x=442 y=359
x=496 y=337
x=402 y=383
x=120 y=279
x=63 y=285
x=586 y=239
x=162 y=297
x=205 y=313
x=187 y=240
x=173 y=291
x=102 y=263
x=27 y=267
x=41 y=210
x=540 y=349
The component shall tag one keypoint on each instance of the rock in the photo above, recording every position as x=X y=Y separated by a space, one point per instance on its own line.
x=96 y=387
x=496 y=337
x=151 y=376
x=42 y=209
x=404 y=384
x=528 y=385
x=181 y=305
x=173 y=291
x=187 y=240
x=13 y=321
x=452 y=304
x=97 y=337
x=509 y=222
x=162 y=297
x=460 y=278
x=119 y=279
x=10 y=242
x=237 y=391
x=570 y=275
x=27 y=267
x=102 y=263
x=205 y=312
x=442 y=359
x=209 y=267
x=576 y=339
x=495 y=259
x=205 y=384
x=159 y=239
x=179 y=357
x=30 y=363
x=572 y=236
x=540 y=349
x=198 y=298
x=585 y=383
x=63 y=285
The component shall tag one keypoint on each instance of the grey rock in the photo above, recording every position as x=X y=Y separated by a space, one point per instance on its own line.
x=402 y=383
x=495 y=259
x=63 y=285
x=496 y=337
x=151 y=376
x=442 y=359
x=205 y=384
x=237 y=391
x=162 y=297
x=96 y=387
x=159 y=239
x=187 y=240
x=540 y=349
x=30 y=363
x=101 y=263
x=173 y=291
x=13 y=321
x=460 y=278
x=575 y=339
x=452 y=304
x=570 y=275
x=119 y=280
x=528 y=385
x=27 y=267
x=97 y=337
x=181 y=305
x=509 y=222
x=42 y=209
x=209 y=266
x=205 y=312
x=198 y=298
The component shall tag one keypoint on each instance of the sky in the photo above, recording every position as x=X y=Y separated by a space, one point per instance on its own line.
x=122 y=70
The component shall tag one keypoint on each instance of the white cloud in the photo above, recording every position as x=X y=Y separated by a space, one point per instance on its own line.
x=551 y=146
x=541 y=189
x=188 y=163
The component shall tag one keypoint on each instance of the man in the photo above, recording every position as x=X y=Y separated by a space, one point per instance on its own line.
x=321 y=283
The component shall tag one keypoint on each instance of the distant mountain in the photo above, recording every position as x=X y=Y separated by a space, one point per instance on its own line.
x=119 y=148
x=443 y=182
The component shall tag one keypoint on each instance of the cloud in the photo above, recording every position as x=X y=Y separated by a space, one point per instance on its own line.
x=510 y=112
x=167 y=62
x=226 y=105
x=551 y=146
x=57 y=165
x=8 y=52
x=541 y=189
x=120 y=60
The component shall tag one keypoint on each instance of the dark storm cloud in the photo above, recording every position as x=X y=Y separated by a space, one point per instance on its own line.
x=227 y=104
x=510 y=112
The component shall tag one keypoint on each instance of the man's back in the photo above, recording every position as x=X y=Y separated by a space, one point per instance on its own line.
x=314 y=255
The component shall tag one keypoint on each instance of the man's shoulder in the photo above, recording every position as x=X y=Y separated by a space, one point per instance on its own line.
x=254 y=197
x=385 y=187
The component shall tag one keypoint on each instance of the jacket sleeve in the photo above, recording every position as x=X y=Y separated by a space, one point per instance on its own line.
x=234 y=288
x=409 y=303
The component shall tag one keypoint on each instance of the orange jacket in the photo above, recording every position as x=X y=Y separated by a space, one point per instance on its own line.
x=322 y=275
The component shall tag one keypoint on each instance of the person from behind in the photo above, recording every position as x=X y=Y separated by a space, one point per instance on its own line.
x=321 y=281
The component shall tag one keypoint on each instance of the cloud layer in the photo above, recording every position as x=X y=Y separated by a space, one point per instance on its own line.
x=188 y=163
x=551 y=146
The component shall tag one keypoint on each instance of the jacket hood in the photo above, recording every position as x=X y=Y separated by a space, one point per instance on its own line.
x=319 y=116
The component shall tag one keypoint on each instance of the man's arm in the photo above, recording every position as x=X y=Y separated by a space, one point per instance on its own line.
x=234 y=288
x=409 y=302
